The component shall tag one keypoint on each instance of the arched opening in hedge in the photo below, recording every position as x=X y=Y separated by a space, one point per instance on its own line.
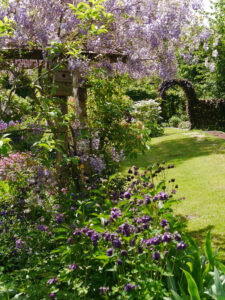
x=191 y=97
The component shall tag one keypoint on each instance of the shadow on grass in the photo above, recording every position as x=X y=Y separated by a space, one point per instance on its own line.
x=218 y=240
x=179 y=150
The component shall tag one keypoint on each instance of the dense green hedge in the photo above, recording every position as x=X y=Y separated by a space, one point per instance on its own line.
x=203 y=114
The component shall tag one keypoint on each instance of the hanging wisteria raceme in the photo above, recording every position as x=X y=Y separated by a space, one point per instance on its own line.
x=147 y=31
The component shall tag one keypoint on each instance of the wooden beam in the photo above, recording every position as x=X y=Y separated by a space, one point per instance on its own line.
x=37 y=54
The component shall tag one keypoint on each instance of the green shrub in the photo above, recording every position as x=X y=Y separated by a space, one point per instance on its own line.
x=174 y=121
x=148 y=112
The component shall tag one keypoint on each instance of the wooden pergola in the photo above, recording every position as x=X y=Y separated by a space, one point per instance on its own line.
x=68 y=83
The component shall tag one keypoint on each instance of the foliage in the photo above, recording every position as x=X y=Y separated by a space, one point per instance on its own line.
x=5 y=146
x=148 y=112
x=174 y=103
x=123 y=234
x=109 y=113
x=174 y=121
x=144 y=88
x=68 y=28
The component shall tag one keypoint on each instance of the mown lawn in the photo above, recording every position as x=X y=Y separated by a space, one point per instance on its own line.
x=199 y=160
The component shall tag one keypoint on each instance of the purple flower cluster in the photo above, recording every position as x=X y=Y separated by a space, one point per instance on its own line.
x=164 y=223
x=161 y=196
x=129 y=287
x=115 y=213
x=181 y=246
x=126 y=229
x=92 y=234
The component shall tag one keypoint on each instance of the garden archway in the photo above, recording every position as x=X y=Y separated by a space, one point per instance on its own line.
x=191 y=97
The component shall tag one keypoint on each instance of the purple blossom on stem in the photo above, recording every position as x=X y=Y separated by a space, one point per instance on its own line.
x=164 y=223
x=177 y=236
x=147 y=199
x=109 y=252
x=156 y=255
x=167 y=237
x=181 y=246
x=123 y=252
x=129 y=287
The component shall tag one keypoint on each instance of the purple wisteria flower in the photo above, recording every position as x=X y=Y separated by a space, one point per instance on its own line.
x=103 y=290
x=181 y=246
x=123 y=252
x=129 y=287
x=52 y=281
x=119 y=262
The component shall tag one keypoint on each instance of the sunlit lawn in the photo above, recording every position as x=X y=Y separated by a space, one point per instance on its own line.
x=199 y=160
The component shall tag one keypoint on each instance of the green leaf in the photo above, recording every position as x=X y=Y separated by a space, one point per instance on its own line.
x=192 y=286
x=221 y=266
x=170 y=280
x=112 y=177
x=102 y=257
x=208 y=250
x=220 y=292
x=175 y=295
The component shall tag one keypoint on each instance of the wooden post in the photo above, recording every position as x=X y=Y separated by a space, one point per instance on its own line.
x=80 y=97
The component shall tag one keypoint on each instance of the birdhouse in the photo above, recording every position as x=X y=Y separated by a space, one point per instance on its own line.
x=62 y=79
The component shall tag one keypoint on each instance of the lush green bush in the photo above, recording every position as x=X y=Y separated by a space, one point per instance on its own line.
x=148 y=112
x=174 y=121
x=116 y=239
x=109 y=114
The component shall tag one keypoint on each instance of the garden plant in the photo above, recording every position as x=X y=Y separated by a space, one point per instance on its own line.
x=74 y=103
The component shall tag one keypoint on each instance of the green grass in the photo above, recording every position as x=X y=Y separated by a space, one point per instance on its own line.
x=199 y=160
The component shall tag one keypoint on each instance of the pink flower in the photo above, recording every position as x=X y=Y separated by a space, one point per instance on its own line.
x=64 y=191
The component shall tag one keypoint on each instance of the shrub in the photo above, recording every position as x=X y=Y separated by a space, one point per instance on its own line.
x=117 y=239
x=148 y=112
x=109 y=114
x=174 y=121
